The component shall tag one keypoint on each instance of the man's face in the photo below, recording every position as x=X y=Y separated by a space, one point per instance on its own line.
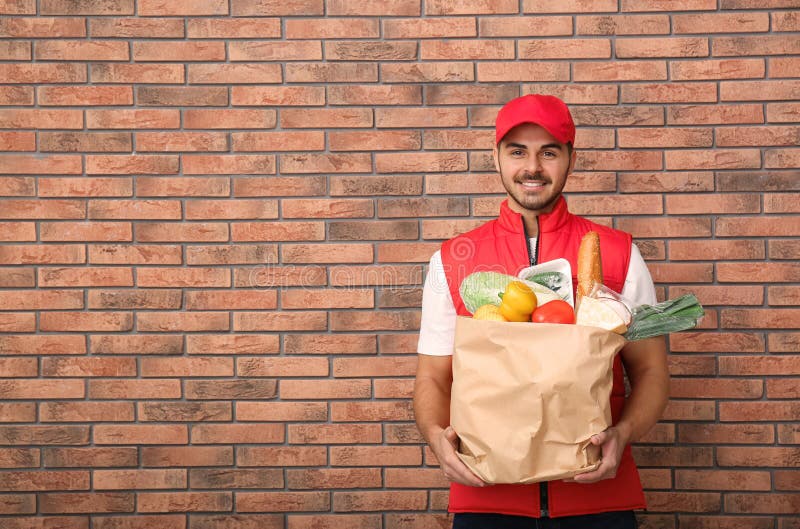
x=533 y=167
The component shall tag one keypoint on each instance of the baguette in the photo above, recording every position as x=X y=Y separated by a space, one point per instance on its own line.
x=590 y=269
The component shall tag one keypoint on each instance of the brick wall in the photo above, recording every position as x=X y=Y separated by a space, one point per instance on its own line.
x=216 y=216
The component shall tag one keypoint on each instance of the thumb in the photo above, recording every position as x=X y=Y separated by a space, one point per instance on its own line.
x=450 y=434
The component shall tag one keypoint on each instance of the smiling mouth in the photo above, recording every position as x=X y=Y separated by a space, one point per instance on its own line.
x=532 y=184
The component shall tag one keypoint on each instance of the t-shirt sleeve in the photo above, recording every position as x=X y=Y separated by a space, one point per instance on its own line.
x=438 y=325
x=638 y=288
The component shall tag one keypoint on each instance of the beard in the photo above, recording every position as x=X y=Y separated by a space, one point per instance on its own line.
x=539 y=201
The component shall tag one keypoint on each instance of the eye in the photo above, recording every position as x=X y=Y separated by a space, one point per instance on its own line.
x=517 y=152
x=549 y=154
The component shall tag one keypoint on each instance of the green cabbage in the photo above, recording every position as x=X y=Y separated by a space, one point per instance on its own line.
x=486 y=288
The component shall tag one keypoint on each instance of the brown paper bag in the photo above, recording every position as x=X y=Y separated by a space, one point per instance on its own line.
x=527 y=397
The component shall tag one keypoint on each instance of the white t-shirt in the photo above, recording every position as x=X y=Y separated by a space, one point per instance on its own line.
x=438 y=326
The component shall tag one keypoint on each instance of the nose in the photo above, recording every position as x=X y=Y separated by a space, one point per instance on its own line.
x=532 y=164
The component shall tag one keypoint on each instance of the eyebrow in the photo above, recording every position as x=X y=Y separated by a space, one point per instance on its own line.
x=546 y=146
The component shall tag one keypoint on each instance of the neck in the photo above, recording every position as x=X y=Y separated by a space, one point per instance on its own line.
x=529 y=216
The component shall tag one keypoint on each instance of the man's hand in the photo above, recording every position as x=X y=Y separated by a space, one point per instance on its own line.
x=444 y=446
x=611 y=442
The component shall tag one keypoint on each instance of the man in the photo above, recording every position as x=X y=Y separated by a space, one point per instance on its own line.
x=534 y=155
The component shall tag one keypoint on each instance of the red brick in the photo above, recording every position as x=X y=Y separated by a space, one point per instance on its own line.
x=622 y=24
x=89 y=142
x=62 y=366
x=477 y=95
x=759 y=318
x=236 y=521
x=717 y=159
x=759 y=365
x=327 y=299
x=373 y=7
x=85 y=95
x=229 y=118
x=282 y=501
x=374 y=140
x=89 y=502
x=391 y=275
x=717 y=69
x=381 y=501
x=718 y=342
x=781 y=388
x=278 y=141
x=71 y=7
x=184 y=411
x=722 y=389
x=786 y=249
x=721 y=23
x=184 y=501
x=754 y=45
x=725 y=433
x=151 y=8
x=237 y=433
x=236 y=479
x=274 y=276
x=18 y=368
x=334 y=478
x=758 y=136
x=670 y=93
x=134 y=389
x=85 y=231
x=273 y=8
x=758 y=90
x=780 y=203
x=279 y=321
x=137 y=27
x=665 y=138
x=42 y=389
x=403 y=433
x=18 y=141
x=782 y=158
x=44 y=435
x=490 y=71
x=40 y=119
x=374 y=95
x=169 y=232
x=305 y=50
x=788 y=295
x=183 y=322
x=281 y=456
x=187 y=456
x=20 y=457
x=39 y=27
x=420 y=117
x=139 y=479
x=757 y=411
x=570 y=6
x=17 y=322
x=230 y=300
x=42 y=164
x=375 y=456
x=426 y=72
x=703 y=204
x=445 y=229
x=39 y=345
x=78 y=50
x=134 y=254
x=738 y=226
x=685 y=501
x=133 y=119
x=351 y=433
x=136 y=73
x=620 y=71
x=668 y=5
x=715 y=114
x=528 y=26
x=724 y=480
x=38 y=300
x=85 y=412
x=328 y=117
x=783 y=67
x=277 y=96
x=282 y=411
x=19 y=504
x=771 y=503
x=178 y=51
x=322 y=28
x=181 y=96
x=332 y=521
x=372 y=411
x=82 y=277
x=330 y=344
x=242 y=28
x=16 y=95
x=277 y=231
x=18 y=7
x=186 y=367
x=681 y=273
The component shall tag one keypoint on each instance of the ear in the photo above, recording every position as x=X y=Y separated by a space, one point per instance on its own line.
x=495 y=155
x=572 y=159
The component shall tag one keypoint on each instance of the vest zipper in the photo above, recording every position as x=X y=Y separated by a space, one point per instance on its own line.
x=532 y=253
x=543 y=499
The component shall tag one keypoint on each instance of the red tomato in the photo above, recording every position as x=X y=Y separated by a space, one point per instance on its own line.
x=557 y=311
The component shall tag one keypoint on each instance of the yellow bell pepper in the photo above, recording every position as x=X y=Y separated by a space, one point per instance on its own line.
x=519 y=301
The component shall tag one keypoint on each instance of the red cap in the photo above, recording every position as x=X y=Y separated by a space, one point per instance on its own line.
x=548 y=112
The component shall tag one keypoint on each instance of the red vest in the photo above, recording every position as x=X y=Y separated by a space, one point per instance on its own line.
x=502 y=245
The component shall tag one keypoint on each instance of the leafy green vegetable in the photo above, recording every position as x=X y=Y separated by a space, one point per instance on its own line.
x=673 y=315
x=482 y=288
x=551 y=280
